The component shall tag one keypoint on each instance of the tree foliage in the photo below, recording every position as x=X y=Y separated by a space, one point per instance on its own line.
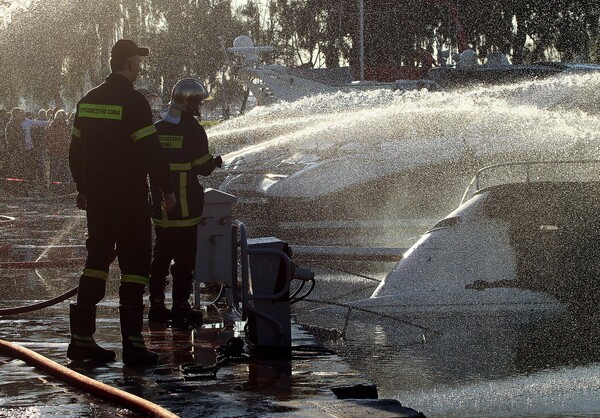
x=526 y=30
x=52 y=51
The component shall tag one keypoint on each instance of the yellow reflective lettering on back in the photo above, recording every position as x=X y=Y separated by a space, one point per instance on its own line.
x=171 y=141
x=100 y=111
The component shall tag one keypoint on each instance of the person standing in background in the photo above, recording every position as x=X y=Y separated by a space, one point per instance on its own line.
x=41 y=171
x=4 y=150
x=23 y=161
x=58 y=138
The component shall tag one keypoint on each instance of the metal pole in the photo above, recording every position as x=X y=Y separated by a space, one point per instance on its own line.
x=361 y=37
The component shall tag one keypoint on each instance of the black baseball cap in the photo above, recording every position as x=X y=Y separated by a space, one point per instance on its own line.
x=125 y=48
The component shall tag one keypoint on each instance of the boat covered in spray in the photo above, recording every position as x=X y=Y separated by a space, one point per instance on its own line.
x=519 y=254
x=531 y=240
x=383 y=157
x=271 y=83
x=497 y=69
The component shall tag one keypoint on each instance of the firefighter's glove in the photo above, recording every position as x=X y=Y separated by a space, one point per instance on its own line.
x=218 y=161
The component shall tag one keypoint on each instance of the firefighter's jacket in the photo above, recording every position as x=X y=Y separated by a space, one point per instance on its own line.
x=185 y=145
x=114 y=145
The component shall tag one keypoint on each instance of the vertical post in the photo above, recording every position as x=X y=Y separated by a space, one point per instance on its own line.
x=225 y=100
x=361 y=38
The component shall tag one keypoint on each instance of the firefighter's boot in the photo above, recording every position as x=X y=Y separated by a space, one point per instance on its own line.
x=184 y=316
x=82 y=347
x=158 y=311
x=135 y=352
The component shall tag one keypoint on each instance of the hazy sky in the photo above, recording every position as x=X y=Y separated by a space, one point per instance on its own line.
x=14 y=4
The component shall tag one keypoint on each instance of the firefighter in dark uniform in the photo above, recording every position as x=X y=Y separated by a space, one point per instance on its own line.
x=185 y=145
x=114 y=147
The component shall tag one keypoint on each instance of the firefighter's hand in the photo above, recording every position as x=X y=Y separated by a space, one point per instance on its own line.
x=218 y=161
x=170 y=201
x=81 y=201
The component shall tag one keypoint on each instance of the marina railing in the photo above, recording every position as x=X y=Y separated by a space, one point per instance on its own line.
x=532 y=171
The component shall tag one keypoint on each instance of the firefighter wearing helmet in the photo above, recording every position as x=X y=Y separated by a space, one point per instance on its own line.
x=185 y=145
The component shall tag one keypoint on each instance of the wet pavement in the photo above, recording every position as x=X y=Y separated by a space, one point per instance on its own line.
x=548 y=367
x=50 y=231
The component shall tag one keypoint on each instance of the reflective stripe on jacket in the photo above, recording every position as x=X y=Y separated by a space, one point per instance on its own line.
x=114 y=145
x=185 y=146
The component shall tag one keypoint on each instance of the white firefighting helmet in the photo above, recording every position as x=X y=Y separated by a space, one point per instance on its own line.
x=188 y=95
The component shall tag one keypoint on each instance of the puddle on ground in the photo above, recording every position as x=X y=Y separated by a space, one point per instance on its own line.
x=54 y=231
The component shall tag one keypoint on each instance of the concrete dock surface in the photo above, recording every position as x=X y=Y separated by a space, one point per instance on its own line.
x=51 y=232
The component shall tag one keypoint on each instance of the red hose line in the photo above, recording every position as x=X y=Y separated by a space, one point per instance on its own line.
x=91 y=386
x=27 y=265
x=65 y=262
x=38 y=264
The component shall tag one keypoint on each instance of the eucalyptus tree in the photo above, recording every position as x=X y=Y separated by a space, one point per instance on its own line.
x=326 y=32
x=32 y=47
x=315 y=33
x=55 y=50
x=563 y=29
x=258 y=19
x=299 y=30
x=189 y=41
x=51 y=53
x=533 y=30
x=396 y=30
x=311 y=30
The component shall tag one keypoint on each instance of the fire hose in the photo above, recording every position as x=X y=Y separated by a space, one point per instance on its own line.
x=18 y=265
x=89 y=385
x=71 y=377
x=24 y=265
x=37 y=306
